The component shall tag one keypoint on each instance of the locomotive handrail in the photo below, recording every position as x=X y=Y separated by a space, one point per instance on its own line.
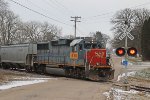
x=111 y=62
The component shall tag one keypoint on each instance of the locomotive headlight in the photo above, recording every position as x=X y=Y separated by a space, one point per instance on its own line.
x=97 y=64
x=92 y=41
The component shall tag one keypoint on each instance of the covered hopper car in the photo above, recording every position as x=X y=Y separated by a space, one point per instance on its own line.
x=18 y=56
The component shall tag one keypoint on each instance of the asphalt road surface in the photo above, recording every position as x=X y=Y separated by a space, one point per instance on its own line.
x=62 y=89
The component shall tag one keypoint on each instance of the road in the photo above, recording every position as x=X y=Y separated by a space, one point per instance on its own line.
x=62 y=89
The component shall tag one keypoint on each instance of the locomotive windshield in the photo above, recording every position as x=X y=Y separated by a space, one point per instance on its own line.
x=92 y=45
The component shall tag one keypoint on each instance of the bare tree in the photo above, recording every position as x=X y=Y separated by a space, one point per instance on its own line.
x=32 y=31
x=119 y=21
x=132 y=18
x=8 y=21
x=68 y=37
x=3 y=8
x=13 y=30
x=3 y=5
x=50 y=32
x=36 y=32
x=98 y=36
x=20 y=35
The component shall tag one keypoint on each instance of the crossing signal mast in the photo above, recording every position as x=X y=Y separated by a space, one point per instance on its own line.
x=126 y=51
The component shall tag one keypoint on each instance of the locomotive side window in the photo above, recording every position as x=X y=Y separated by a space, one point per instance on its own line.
x=74 y=48
x=99 y=46
x=94 y=46
x=80 y=47
x=87 y=46
x=90 y=46
x=43 y=46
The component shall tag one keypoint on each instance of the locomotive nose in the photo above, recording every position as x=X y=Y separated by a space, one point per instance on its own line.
x=96 y=57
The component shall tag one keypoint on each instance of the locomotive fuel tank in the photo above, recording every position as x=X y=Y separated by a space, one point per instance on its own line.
x=55 y=71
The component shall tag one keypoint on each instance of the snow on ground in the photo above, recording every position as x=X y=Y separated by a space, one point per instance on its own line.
x=118 y=94
x=23 y=81
x=123 y=75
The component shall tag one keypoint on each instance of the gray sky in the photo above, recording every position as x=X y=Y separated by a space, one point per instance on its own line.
x=96 y=14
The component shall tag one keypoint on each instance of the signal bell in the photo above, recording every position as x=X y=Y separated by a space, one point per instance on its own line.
x=120 y=51
x=132 y=51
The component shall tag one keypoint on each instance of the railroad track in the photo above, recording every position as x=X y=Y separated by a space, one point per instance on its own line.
x=140 y=88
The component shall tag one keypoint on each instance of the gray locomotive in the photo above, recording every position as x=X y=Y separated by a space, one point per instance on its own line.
x=79 y=58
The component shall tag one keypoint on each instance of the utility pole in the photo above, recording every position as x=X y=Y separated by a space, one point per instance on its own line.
x=75 y=22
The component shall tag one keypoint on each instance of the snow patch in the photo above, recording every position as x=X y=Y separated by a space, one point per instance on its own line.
x=33 y=78
x=118 y=94
x=123 y=75
x=130 y=63
x=24 y=81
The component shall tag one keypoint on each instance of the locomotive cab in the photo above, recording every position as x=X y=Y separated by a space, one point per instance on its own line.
x=94 y=59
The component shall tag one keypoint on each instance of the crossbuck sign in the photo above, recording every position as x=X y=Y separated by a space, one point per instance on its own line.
x=126 y=33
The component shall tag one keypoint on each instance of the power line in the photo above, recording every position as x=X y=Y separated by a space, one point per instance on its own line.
x=39 y=13
x=63 y=6
x=111 y=12
x=99 y=15
x=147 y=3
x=31 y=3
x=51 y=5
x=60 y=5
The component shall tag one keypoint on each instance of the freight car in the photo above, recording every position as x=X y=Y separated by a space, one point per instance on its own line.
x=18 y=56
x=79 y=58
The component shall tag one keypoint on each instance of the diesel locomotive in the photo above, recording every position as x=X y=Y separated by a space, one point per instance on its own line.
x=78 y=58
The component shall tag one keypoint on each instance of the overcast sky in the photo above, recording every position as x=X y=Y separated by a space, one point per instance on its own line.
x=96 y=14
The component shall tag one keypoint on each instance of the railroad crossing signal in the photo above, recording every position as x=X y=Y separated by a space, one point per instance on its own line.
x=130 y=51
x=122 y=36
x=126 y=33
x=130 y=36
x=120 y=51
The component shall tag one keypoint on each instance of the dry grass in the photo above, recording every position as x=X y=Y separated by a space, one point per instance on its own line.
x=6 y=75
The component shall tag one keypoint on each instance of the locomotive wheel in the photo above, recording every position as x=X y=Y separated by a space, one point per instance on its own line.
x=40 y=69
x=4 y=66
x=83 y=74
x=67 y=72
x=28 y=69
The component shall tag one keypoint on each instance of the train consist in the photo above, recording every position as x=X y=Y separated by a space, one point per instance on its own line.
x=79 y=58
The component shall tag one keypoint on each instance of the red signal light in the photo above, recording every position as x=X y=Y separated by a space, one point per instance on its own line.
x=132 y=51
x=120 y=51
